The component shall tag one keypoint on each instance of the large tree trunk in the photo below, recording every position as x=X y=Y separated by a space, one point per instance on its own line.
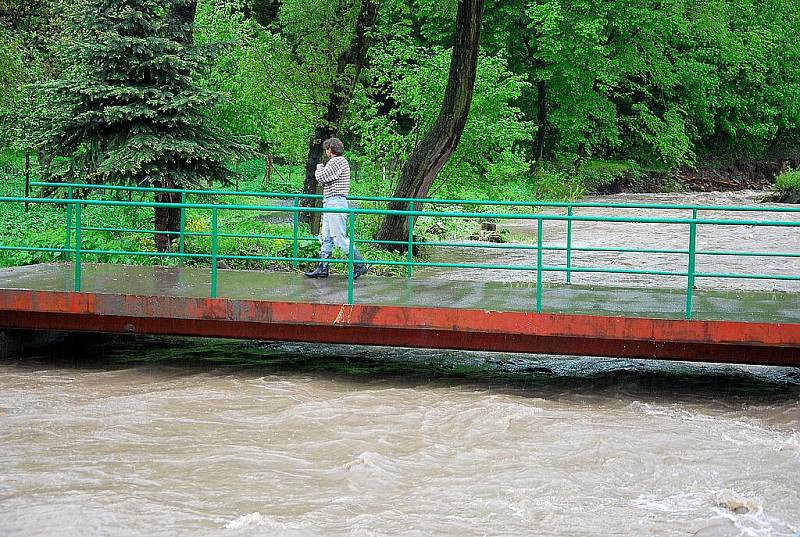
x=181 y=18
x=435 y=149
x=348 y=69
x=538 y=144
x=167 y=219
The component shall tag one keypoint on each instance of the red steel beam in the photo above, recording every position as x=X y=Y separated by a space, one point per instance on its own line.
x=696 y=340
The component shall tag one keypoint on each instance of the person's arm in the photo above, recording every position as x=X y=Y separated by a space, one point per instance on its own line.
x=327 y=174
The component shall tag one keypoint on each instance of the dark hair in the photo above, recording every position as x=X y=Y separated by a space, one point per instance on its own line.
x=335 y=145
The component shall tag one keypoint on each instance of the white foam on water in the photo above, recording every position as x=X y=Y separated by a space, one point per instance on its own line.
x=680 y=503
x=677 y=413
x=374 y=466
x=738 y=510
x=257 y=520
x=734 y=430
x=245 y=521
x=775 y=440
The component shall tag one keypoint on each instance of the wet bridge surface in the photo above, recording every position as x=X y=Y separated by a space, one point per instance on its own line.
x=734 y=326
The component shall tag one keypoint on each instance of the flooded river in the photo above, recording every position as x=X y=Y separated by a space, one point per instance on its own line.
x=162 y=437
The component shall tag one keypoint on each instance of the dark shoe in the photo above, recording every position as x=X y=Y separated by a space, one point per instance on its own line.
x=322 y=269
x=320 y=272
x=359 y=269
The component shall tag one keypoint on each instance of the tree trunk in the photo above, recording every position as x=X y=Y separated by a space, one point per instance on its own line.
x=181 y=18
x=348 y=69
x=167 y=219
x=182 y=15
x=538 y=145
x=321 y=133
x=435 y=149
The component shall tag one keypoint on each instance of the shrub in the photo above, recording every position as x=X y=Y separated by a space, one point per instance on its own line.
x=787 y=186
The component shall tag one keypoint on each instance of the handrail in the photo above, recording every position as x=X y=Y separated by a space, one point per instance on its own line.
x=553 y=204
x=402 y=212
x=75 y=229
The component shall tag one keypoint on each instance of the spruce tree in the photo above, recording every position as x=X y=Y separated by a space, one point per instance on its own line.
x=128 y=109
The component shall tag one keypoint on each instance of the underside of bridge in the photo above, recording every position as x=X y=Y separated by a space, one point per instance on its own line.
x=426 y=327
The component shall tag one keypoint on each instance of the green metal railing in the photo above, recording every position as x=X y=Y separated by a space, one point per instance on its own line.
x=75 y=229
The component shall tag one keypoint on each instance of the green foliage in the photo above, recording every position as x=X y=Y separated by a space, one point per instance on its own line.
x=787 y=186
x=414 y=81
x=596 y=174
x=662 y=85
x=553 y=184
x=15 y=77
x=263 y=97
x=127 y=108
x=11 y=71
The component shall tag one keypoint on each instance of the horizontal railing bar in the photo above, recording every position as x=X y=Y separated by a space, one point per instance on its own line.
x=369 y=241
x=493 y=245
x=500 y=246
x=747 y=276
x=123 y=230
x=677 y=252
x=749 y=254
x=124 y=188
x=505 y=216
x=34 y=249
x=605 y=270
x=606 y=249
x=150 y=254
x=192 y=233
x=739 y=208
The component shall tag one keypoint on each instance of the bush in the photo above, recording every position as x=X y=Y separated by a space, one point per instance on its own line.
x=552 y=184
x=596 y=175
x=787 y=186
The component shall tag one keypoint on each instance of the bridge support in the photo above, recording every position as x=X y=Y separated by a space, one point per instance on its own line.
x=15 y=342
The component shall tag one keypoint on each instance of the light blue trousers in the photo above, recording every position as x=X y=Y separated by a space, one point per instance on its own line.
x=333 y=231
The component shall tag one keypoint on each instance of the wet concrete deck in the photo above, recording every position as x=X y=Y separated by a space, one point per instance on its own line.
x=192 y=282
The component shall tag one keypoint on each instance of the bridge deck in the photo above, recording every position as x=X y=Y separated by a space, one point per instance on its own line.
x=192 y=282
x=729 y=326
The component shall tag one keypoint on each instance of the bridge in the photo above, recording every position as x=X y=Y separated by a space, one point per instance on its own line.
x=573 y=280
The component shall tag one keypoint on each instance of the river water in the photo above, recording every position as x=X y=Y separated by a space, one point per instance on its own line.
x=157 y=436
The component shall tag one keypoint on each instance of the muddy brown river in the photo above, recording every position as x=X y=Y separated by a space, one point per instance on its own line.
x=171 y=437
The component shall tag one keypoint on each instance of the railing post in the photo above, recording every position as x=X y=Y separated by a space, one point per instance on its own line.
x=692 y=261
x=68 y=242
x=296 y=233
x=351 y=231
x=410 y=246
x=182 y=239
x=78 y=247
x=214 y=252
x=569 y=244
x=27 y=178
x=539 y=265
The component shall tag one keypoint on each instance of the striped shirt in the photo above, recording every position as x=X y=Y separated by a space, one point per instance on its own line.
x=335 y=176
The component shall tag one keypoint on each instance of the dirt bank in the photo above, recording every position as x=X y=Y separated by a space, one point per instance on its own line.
x=741 y=174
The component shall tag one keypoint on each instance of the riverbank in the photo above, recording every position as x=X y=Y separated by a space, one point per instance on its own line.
x=739 y=174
